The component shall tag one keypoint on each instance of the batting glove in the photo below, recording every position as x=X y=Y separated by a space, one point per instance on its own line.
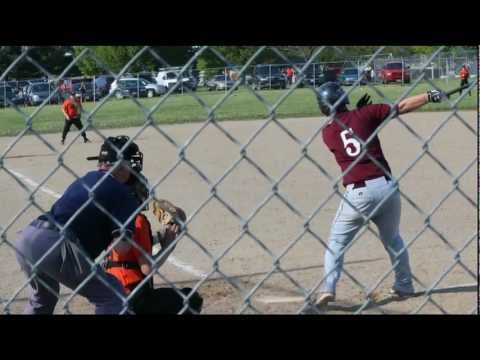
x=435 y=96
x=364 y=100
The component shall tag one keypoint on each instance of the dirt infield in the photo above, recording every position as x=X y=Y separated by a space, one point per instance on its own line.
x=275 y=225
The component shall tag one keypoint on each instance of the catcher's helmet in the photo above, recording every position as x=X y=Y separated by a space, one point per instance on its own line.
x=112 y=147
x=140 y=189
x=328 y=94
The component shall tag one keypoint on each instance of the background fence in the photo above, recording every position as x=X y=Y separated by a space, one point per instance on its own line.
x=260 y=195
x=445 y=66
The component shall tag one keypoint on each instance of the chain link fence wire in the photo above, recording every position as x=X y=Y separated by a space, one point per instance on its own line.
x=245 y=270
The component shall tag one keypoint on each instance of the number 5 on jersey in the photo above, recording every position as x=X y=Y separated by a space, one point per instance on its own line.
x=355 y=146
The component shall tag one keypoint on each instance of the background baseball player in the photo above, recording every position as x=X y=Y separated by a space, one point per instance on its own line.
x=66 y=258
x=132 y=267
x=72 y=110
x=367 y=184
x=464 y=76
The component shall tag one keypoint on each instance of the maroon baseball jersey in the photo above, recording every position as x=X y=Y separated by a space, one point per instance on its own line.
x=362 y=122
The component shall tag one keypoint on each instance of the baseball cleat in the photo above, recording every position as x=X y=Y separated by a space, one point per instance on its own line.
x=401 y=294
x=156 y=249
x=324 y=299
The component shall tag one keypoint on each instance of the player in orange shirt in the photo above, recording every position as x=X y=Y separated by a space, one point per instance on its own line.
x=72 y=110
x=464 y=75
x=131 y=268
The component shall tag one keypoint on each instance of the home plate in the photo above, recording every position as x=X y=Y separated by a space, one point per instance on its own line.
x=281 y=299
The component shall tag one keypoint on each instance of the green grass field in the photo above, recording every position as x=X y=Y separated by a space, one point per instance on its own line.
x=180 y=108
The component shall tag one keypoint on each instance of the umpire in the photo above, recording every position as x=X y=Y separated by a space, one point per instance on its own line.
x=59 y=246
x=72 y=110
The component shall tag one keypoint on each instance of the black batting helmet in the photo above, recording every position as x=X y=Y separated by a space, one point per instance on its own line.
x=111 y=149
x=328 y=94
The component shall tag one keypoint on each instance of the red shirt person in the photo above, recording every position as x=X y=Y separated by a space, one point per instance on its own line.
x=290 y=75
x=72 y=107
x=72 y=111
x=464 y=75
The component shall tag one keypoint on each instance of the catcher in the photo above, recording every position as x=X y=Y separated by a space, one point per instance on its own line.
x=131 y=268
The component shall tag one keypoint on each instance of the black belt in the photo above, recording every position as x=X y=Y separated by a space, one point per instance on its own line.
x=44 y=224
x=362 y=184
x=41 y=224
x=122 y=264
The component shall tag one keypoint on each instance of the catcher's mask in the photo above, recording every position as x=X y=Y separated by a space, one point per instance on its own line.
x=140 y=189
x=328 y=94
x=109 y=152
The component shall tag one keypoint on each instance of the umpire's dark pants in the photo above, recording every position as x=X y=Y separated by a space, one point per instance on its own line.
x=163 y=301
x=68 y=125
x=65 y=265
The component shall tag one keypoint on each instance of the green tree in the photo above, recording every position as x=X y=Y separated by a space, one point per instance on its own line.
x=173 y=55
x=234 y=56
x=50 y=58
x=113 y=57
x=8 y=54
x=116 y=57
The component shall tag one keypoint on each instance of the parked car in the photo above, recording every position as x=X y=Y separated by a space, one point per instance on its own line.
x=313 y=78
x=268 y=82
x=88 y=95
x=332 y=71
x=21 y=84
x=38 y=92
x=129 y=87
x=395 y=71
x=103 y=84
x=150 y=77
x=169 y=78
x=15 y=91
x=16 y=85
x=350 y=75
x=153 y=89
x=268 y=77
x=21 y=91
x=7 y=96
x=219 y=82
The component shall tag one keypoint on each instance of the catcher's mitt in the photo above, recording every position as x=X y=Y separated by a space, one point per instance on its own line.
x=167 y=215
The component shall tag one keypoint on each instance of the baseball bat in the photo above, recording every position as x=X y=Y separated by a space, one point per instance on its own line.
x=458 y=89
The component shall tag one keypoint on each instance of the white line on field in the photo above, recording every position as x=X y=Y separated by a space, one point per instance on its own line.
x=280 y=299
x=293 y=299
x=34 y=184
x=171 y=259
x=186 y=267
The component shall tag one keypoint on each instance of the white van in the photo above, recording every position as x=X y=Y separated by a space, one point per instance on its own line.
x=169 y=78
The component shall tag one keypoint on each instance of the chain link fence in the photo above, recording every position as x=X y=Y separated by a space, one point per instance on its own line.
x=261 y=195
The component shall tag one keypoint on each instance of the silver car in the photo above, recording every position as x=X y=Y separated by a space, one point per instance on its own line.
x=153 y=89
x=219 y=82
